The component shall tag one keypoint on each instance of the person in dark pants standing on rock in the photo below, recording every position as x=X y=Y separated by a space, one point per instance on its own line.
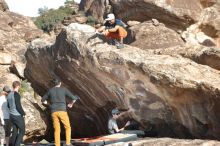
x=17 y=114
x=57 y=97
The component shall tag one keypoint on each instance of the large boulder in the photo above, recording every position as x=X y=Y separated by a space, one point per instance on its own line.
x=174 y=13
x=24 y=26
x=168 y=141
x=35 y=119
x=6 y=78
x=5 y=58
x=95 y=8
x=3 y=5
x=15 y=33
x=209 y=56
x=152 y=35
x=207 y=30
x=168 y=95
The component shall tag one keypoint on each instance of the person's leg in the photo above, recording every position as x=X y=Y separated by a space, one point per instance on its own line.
x=119 y=35
x=66 y=122
x=14 y=134
x=2 y=135
x=139 y=133
x=7 y=141
x=122 y=33
x=14 y=130
x=56 y=126
x=7 y=127
x=21 y=130
x=2 y=142
x=108 y=38
x=112 y=37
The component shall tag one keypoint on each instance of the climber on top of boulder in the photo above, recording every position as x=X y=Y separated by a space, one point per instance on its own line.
x=114 y=30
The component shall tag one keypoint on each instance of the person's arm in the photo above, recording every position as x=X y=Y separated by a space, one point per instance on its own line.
x=45 y=98
x=115 y=127
x=123 y=128
x=1 y=115
x=2 y=121
x=74 y=98
x=19 y=108
x=69 y=94
x=114 y=29
x=123 y=24
x=101 y=29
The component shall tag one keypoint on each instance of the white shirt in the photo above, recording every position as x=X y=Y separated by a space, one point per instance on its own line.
x=112 y=126
x=4 y=111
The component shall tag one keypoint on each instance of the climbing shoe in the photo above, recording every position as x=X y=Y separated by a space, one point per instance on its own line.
x=120 y=46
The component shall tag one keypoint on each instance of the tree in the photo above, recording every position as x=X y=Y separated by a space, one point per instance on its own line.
x=68 y=1
x=43 y=10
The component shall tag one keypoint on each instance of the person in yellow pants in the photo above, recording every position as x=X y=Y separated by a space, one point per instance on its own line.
x=57 y=97
x=63 y=117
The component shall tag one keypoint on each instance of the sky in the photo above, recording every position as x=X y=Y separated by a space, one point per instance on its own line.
x=30 y=7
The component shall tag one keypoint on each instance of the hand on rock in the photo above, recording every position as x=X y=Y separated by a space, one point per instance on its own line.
x=2 y=122
x=45 y=102
x=128 y=123
x=70 y=105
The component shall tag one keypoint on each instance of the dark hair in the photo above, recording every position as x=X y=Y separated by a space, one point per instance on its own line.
x=56 y=81
x=15 y=84
x=6 y=89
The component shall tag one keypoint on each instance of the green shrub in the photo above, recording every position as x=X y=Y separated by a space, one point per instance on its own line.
x=25 y=87
x=91 y=20
x=49 y=19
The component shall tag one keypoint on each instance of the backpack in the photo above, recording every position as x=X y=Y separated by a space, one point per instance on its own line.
x=120 y=23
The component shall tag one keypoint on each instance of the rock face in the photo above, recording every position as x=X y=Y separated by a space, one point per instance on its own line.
x=169 y=141
x=207 y=30
x=3 y=5
x=174 y=13
x=96 y=8
x=203 y=55
x=15 y=33
x=35 y=120
x=149 y=35
x=74 y=19
x=6 y=78
x=168 y=95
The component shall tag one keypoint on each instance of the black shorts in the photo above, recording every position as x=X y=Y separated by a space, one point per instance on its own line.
x=7 y=127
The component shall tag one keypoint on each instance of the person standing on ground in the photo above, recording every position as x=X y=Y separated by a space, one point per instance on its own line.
x=4 y=113
x=114 y=30
x=57 y=98
x=17 y=114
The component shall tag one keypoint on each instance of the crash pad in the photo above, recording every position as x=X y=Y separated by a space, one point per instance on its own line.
x=104 y=140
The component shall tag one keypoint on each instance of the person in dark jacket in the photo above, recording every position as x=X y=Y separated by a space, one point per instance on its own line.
x=57 y=97
x=17 y=114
